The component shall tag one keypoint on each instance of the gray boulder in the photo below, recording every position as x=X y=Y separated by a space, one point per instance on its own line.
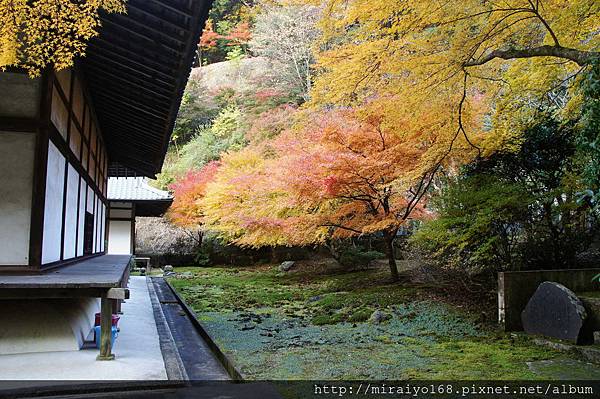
x=555 y=311
x=287 y=265
x=378 y=317
x=168 y=268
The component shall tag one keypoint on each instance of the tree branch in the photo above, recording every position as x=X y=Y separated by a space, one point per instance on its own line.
x=580 y=57
x=338 y=226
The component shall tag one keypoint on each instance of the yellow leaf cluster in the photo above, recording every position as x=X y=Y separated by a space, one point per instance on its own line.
x=35 y=34
x=418 y=58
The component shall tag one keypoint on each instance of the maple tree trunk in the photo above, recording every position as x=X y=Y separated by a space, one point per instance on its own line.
x=332 y=246
x=389 y=251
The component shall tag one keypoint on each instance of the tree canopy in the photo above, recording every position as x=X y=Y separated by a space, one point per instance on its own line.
x=40 y=33
x=404 y=97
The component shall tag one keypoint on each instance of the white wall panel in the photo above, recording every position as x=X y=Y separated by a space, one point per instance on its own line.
x=119 y=237
x=55 y=179
x=82 y=202
x=71 y=213
x=16 y=180
x=91 y=198
x=103 y=230
x=97 y=226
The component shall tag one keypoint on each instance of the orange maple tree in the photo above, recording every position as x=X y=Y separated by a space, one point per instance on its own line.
x=356 y=176
x=209 y=37
x=240 y=35
x=185 y=210
x=341 y=175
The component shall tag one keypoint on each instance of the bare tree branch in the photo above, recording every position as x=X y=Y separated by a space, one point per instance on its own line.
x=580 y=57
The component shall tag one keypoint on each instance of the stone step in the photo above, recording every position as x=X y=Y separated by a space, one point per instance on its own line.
x=590 y=353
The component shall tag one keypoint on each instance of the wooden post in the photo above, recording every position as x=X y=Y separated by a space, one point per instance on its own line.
x=106 y=309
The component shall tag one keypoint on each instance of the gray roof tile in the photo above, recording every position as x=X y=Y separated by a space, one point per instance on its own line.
x=134 y=189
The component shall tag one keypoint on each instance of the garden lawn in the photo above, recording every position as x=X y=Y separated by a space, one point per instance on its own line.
x=310 y=325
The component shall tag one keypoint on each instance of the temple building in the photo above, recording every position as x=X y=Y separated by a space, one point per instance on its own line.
x=65 y=243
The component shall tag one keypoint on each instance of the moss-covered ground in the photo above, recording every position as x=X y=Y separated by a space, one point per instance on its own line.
x=307 y=324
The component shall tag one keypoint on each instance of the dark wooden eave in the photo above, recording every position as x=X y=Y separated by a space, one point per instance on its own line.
x=137 y=69
x=152 y=208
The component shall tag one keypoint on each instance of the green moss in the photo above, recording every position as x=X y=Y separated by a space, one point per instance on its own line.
x=311 y=326
x=231 y=288
x=354 y=295
x=324 y=319
x=589 y=294
x=360 y=315
x=485 y=358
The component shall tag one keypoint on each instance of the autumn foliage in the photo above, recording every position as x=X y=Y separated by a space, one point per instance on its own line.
x=340 y=175
x=399 y=93
x=239 y=36
x=185 y=211
x=41 y=33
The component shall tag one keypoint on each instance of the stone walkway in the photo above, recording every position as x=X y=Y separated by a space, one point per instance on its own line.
x=137 y=350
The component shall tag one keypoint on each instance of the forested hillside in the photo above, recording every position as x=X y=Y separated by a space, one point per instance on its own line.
x=322 y=123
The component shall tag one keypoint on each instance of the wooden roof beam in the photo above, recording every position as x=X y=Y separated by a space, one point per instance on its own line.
x=124 y=59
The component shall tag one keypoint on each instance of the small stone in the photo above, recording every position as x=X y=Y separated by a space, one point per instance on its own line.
x=167 y=268
x=287 y=265
x=378 y=317
x=315 y=298
x=247 y=327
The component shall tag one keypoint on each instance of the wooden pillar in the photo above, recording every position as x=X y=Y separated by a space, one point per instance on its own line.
x=106 y=310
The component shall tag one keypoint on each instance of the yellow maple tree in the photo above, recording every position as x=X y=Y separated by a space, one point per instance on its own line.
x=42 y=33
x=428 y=62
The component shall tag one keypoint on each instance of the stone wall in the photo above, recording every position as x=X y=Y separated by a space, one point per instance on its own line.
x=515 y=289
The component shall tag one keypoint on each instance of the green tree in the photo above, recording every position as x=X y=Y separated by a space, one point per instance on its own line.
x=514 y=210
x=588 y=139
x=226 y=133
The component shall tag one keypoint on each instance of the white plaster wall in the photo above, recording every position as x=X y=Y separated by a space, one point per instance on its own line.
x=47 y=325
x=80 y=314
x=103 y=230
x=97 y=226
x=16 y=179
x=90 y=200
x=82 y=191
x=71 y=213
x=119 y=237
x=53 y=206
x=20 y=95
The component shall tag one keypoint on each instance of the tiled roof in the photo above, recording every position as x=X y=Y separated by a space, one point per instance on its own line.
x=134 y=189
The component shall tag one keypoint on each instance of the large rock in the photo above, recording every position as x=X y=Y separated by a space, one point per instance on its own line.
x=168 y=268
x=287 y=265
x=555 y=311
x=378 y=317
